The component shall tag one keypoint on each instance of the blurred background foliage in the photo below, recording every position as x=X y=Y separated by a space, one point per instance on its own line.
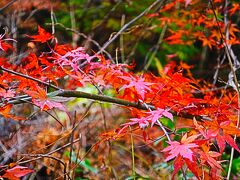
x=91 y=23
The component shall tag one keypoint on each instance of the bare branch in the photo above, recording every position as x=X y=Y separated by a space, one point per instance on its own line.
x=128 y=24
x=7 y=5
x=28 y=77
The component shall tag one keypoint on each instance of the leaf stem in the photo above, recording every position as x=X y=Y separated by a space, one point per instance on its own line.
x=133 y=155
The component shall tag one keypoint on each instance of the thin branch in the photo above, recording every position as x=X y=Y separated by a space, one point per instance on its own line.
x=51 y=157
x=122 y=40
x=54 y=118
x=229 y=57
x=7 y=5
x=155 y=48
x=128 y=24
x=84 y=36
x=164 y=130
x=28 y=77
x=75 y=37
x=133 y=155
x=56 y=150
x=52 y=20
x=106 y=17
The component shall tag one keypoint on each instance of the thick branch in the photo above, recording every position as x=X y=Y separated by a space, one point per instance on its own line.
x=101 y=98
x=81 y=94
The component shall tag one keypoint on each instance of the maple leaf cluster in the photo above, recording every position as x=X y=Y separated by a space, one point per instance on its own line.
x=38 y=78
x=191 y=21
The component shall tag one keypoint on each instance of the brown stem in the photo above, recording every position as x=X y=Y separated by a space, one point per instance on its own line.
x=101 y=98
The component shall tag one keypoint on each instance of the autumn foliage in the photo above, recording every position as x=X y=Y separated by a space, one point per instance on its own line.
x=153 y=104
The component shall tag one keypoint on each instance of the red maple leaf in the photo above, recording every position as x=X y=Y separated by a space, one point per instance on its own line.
x=221 y=131
x=43 y=36
x=208 y=156
x=3 y=45
x=5 y=112
x=17 y=172
x=192 y=165
x=235 y=8
x=73 y=58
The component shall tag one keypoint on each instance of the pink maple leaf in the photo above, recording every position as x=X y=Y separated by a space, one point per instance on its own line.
x=187 y=2
x=142 y=122
x=41 y=100
x=183 y=149
x=7 y=93
x=74 y=58
x=156 y=114
x=48 y=104
x=138 y=83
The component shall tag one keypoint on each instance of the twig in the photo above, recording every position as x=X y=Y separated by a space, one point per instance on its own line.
x=156 y=47
x=122 y=41
x=28 y=77
x=56 y=150
x=52 y=20
x=133 y=155
x=142 y=159
x=234 y=79
x=103 y=98
x=54 y=117
x=71 y=140
x=51 y=157
x=159 y=123
x=7 y=5
x=164 y=130
x=75 y=36
x=128 y=24
x=106 y=17
x=81 y=94
x=84 y=36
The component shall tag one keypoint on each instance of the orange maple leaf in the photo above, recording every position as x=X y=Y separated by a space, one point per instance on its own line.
x=5 y=112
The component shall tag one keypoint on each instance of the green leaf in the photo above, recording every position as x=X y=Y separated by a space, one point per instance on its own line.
x=85 y=163
x=236 y=166
x=168 y=123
